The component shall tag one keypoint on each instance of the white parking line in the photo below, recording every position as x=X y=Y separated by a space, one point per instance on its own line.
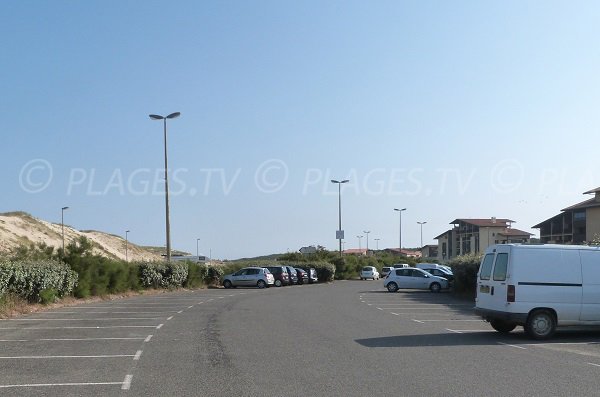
x=418 y=321
x=420 y=304
x=137 y=356
x=179 y=312
x=159 y=326
x=82 y=339
x=61 y=384
x=595 y=365
x=85 y=319
x=518 y=347
x=454 y=330
x=48 y=357
x=189 y=307
x=412 y=308
x=148 y=339
x=461 y=331
x=449 y=319
x=107 y=327
x=170 y=318
x=127 y=382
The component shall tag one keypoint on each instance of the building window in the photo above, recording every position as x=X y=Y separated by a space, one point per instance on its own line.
x=579 y=216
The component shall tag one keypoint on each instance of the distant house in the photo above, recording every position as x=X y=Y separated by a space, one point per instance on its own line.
x=429 y=251
x=311 y=249
x=475 y=235
x=404 y=252
x=575 y=224
x=355 y=251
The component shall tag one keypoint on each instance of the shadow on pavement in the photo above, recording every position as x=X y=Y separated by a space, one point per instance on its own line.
x=517 y=337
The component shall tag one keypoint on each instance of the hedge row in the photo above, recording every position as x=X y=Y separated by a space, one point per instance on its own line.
x=465 y=270
x=31 y=280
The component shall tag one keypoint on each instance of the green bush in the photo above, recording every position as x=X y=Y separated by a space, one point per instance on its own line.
x=48 y=296
x=28 y=279
x=163 y=275
x=465 y=270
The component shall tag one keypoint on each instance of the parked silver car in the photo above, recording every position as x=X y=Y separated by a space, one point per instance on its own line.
x=409 y=277
x=249 y=277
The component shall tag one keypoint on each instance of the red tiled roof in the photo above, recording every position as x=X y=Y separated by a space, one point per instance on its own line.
x=515 y=232
x=484 y=222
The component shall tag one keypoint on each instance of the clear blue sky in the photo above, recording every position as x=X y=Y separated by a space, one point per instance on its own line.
x=450 y=109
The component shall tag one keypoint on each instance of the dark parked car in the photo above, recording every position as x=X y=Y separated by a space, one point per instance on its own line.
x=293 y=275
x=302 y=276
x=280 y=273
x=441 y=273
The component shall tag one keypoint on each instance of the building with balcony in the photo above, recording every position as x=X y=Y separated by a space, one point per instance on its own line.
x=475 y=235
x=576 y=224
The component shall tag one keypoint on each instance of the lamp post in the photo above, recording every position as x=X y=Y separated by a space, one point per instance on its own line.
x=126 y=246
x=367 y=233
x=167 y=221
x=400 y=234
x=359 y=238
x=421 y=224
x=377 y=243
x=197 y=250
x=62 y=227
x=340 y=232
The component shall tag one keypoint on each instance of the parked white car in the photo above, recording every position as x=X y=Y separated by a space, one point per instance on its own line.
x=249 y=277
x=410 y=277
x=369 y=272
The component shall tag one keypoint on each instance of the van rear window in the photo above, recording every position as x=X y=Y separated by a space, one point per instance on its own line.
x=486 y=267
x=500 y=268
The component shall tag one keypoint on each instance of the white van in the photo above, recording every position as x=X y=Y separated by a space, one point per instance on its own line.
x=539 y=287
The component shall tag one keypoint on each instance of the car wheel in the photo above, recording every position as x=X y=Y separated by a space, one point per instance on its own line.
x=435 y=287
x=392 y=287
x=541 y=324
x=261 y=284
x=503 y=327
x=278 y=283
x=227 y=284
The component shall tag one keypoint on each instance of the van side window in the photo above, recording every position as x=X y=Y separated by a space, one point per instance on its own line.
x=486 y=267
x=500 y=268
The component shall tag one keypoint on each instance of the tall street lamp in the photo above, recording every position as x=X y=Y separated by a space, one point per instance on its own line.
x=421 y=223
x=126 y=246
x=339 y=234
x=377 y=243
x=359 y=246
x=197 y=250
x=400 y=234
x=367 y=233
x=62 y=226
x=167 y=221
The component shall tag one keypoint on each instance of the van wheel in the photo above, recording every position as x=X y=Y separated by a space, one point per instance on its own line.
x=392 y=287
x=541 y=324
x=278 y=283
x=502 y=326
x=435 y=287
x=227 y=284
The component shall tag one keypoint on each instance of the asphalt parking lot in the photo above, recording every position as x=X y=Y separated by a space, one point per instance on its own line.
x=350 y=338
x=446 y=313
x=90 y=348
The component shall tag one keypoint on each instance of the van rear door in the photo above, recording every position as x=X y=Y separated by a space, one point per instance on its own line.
x=491 y=280
x=590 y=267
